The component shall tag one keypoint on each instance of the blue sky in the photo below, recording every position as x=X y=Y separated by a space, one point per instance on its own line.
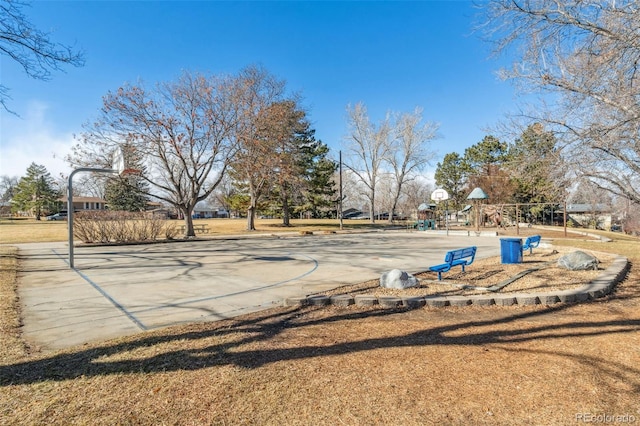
x=390 y=55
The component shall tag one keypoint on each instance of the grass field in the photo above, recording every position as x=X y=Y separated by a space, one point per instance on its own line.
x=558 y=365
x=29 y=230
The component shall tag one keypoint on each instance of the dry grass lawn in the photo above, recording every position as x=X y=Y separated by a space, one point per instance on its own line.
x=326 y=366
x=17 y=231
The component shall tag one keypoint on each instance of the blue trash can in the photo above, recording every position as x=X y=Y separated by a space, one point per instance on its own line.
x=511 y=250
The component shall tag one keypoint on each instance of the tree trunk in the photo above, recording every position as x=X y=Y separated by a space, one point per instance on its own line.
x=251 y=215
x=285 y=208
x=372 y=215
x=395 y=201
x=188 y=222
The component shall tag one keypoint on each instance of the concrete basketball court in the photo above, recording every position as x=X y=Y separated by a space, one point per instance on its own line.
x=120 y=290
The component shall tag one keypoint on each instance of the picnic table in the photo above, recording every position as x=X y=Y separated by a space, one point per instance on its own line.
x=197 y=227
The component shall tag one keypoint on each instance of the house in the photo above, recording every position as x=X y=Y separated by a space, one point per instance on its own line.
x=595 y=216
x=351 y=213
x=203 y=212
x=83 y=203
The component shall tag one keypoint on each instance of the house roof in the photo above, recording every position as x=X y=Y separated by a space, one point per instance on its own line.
x=83 y=199
x=424 y=206
x=588 y=208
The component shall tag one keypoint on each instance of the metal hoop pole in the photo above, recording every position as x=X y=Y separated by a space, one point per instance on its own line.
x=70 y=205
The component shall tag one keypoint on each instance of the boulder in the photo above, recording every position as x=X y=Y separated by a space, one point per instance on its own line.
x=397 y=279
x=578 y=261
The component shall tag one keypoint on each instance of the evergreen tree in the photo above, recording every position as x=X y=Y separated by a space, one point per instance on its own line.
x=238 y=203
x=537 y=167
x=35 y=191
x=128 y=192
x=484 y=156
x=295 y=174
x=290 y=179
x=452 y=176
x=487 y=167
x=319 y=191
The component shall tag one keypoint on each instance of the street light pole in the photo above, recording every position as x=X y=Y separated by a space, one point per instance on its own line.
x=70 y=205
x=446 y=215
x=340 y=202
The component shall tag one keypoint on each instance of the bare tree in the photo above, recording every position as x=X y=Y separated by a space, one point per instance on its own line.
x=584 y=55
x=8 y=185
x=416 y=192
x=385 y=191
x=352 y=190
x=182 y=131
x=409 y=151
x=30 y=47
x=223 y=193
x=627 y=217
x=367 y=149
x=89 y=185
x=595 y=199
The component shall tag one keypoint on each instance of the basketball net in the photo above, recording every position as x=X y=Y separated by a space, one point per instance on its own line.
x=129 y=174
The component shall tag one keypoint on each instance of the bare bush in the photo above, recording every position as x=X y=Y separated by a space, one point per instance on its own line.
x=119 y=226
x=170 y=231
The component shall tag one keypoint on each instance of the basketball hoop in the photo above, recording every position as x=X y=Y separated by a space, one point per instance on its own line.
x=129 y=176
x=439 y=195
x=119 y=165
x=130 y=172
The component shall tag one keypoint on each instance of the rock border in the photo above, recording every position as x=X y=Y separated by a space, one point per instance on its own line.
x=599 y=287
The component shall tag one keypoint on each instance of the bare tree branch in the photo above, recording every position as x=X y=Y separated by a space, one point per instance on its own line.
x=31 y=47
x=583 y=55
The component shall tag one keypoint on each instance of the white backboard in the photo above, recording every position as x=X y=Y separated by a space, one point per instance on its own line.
x=439 y=195
x=117 y=162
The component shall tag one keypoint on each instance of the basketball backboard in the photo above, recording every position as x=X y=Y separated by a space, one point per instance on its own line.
x=117 y=162
x=439 y=195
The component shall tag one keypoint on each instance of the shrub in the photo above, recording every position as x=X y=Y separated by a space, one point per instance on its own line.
x=105 y=226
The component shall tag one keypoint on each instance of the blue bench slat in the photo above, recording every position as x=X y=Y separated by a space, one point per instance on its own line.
x=442 y=268
x=531 y=242
x=461 y=257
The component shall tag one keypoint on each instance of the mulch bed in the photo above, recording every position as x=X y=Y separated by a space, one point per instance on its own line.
x=545 y=276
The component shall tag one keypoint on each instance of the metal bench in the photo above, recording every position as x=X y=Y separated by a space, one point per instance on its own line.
x=531 y=242
x=460 y=257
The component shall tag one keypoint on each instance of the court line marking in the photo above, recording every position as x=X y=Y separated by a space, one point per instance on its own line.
x=106 y=295
x=142 y=326
x=204 y=299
